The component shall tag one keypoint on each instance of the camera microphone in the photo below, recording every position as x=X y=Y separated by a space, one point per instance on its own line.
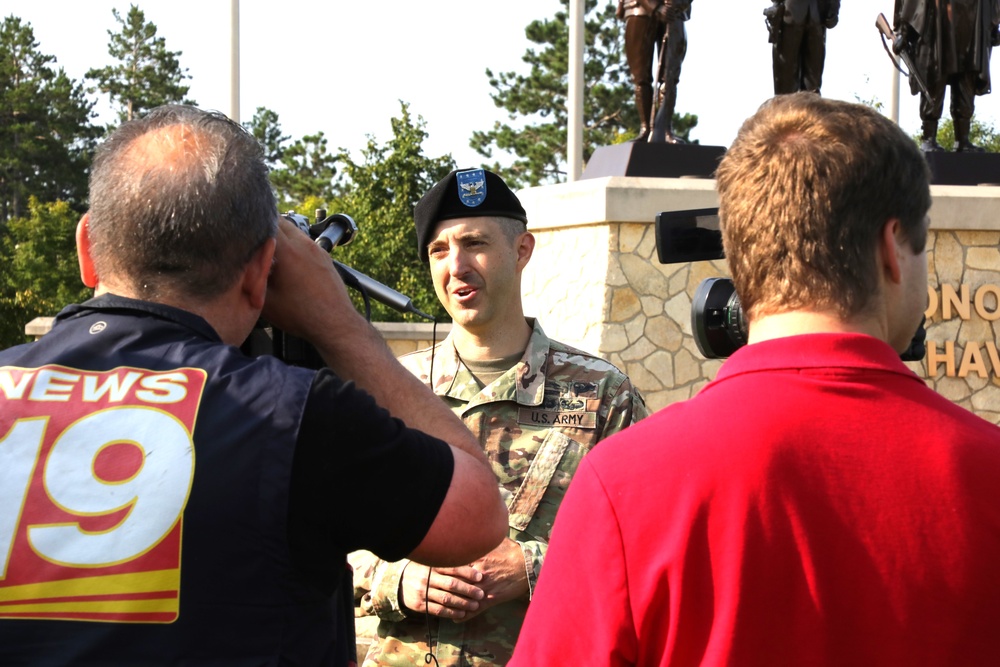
x=339 y=230
x=378 y=291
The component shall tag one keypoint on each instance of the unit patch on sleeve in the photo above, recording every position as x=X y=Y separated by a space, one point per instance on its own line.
x=95 y=472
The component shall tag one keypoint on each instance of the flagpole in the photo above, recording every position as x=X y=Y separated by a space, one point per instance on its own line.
x=574 y=100
x=234 y=61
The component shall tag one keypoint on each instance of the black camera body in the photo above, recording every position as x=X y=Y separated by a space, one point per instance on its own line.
x=718 y=321
x=266 y=339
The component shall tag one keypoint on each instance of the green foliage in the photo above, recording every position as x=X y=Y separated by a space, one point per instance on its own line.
x=683 y=124
x=46 y=135
x=379 y=193
x=979 y=133
x=42 y=274
x=266 y=128
x=538 y=99
x=307 y=170
x=147 y=74
x=310 y=206
x=872 y=102
x=303 y=170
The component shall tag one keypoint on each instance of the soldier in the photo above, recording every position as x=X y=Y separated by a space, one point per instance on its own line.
x=798 y=37
x=653 y=26
x=536 y=405
x=948 y=48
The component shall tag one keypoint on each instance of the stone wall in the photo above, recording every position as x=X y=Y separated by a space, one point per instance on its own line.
x=404 y=337
x=963 y=324
x=401 y=337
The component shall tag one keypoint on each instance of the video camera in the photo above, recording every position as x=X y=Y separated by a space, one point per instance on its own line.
x=718 y=322
x=328 y=232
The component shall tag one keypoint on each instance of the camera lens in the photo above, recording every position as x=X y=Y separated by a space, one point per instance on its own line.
x=717 y=318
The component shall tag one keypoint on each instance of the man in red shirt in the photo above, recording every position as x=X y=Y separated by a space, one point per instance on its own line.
x=817 y=503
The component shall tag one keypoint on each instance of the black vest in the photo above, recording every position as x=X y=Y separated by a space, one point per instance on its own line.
x=153 y=526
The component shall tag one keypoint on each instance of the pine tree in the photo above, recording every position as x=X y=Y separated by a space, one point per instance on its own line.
x=147 y=74
x=301 y=171
x=266 y=128
x=380 y=193
x=307 y=169
x=46 y=133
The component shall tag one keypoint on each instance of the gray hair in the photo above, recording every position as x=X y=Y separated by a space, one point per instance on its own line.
x=179 y=203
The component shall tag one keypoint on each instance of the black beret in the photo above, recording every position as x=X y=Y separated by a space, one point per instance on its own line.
x=464 y=193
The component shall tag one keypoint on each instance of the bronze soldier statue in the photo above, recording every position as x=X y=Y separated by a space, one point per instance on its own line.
x=798 y=37
x=655 y=27
x=949 y=42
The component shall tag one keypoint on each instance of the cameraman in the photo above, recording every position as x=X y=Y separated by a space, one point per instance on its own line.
x=817 y=503
x=170 y=500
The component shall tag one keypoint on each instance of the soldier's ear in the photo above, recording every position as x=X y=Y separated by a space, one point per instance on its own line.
x=525 y=246
x=87 y=272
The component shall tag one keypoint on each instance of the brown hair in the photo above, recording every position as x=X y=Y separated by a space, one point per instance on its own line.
x=804 y=193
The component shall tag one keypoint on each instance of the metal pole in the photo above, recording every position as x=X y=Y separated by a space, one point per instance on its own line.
x=574 y=101
x=234 y=61
x=894 y=105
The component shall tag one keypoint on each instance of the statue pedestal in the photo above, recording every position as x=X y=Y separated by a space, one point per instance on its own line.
x=696 y=161
x=654 y=159
x=964 y=168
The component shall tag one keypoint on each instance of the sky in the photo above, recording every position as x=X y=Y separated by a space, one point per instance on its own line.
x=343 y=66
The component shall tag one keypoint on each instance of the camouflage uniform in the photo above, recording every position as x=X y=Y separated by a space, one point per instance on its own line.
x=534 y=422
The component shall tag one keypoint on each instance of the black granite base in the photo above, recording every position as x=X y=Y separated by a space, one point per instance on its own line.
x=964 y=168
x=696 y=161
x=659 y=159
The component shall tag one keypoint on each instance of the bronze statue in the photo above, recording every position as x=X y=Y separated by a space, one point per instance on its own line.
x=949 y=44
x=797 y=32
x=655 y=26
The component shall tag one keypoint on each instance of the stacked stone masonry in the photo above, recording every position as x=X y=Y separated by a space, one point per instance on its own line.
x=964 y=262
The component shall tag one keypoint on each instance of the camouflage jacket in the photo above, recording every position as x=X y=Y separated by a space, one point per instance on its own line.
x=534 y=422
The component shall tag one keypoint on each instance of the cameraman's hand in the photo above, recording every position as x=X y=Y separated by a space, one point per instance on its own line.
x=304 y=291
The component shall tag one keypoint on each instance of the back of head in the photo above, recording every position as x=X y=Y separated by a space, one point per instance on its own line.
x=179 y=202
x=804 y=193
